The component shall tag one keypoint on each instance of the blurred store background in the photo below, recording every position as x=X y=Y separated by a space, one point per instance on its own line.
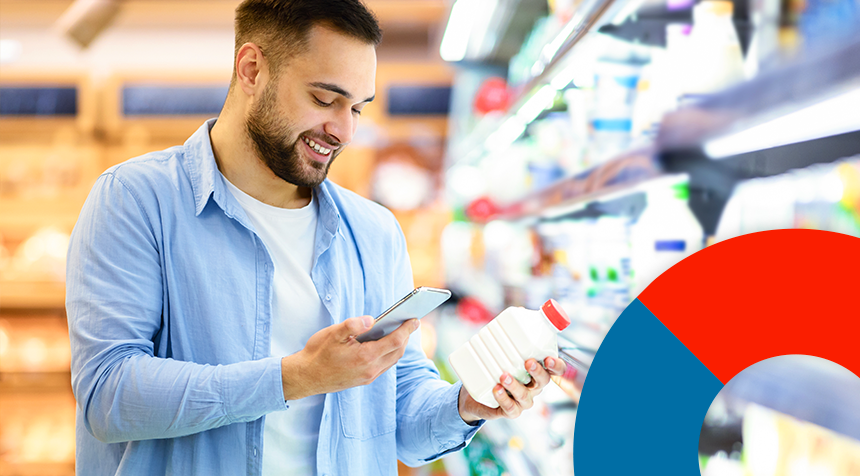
x=531 y=149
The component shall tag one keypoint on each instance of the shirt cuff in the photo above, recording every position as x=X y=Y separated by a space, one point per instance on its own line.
x=449 y=429
x=256 y=389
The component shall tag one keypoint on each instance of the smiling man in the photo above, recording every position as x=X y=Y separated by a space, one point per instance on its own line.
x=215 y=289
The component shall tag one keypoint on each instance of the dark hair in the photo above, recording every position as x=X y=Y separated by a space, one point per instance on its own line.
x=281 y=27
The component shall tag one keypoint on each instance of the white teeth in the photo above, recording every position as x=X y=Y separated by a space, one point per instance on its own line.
x=322 y=150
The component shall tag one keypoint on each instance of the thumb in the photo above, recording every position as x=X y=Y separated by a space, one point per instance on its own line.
x=354 y=326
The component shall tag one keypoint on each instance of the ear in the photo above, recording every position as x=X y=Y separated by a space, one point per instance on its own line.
x=251 y=69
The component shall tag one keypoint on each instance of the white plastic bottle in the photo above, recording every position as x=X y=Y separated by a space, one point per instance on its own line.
x=665 y=233
x=717 y=61
x=504 y=345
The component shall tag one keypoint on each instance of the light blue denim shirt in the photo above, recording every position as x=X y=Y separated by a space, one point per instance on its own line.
x=169 y=295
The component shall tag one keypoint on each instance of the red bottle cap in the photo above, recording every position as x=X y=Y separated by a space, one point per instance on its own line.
x=555 y=314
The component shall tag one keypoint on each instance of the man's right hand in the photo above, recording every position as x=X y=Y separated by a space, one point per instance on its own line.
x=333 y=360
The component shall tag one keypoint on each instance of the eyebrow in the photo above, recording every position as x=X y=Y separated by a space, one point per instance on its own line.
x=339 y=90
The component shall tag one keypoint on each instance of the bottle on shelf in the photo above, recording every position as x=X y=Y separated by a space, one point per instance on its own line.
x=504 y=345
x=614 y=96
x=665 y=233
x=716 y=59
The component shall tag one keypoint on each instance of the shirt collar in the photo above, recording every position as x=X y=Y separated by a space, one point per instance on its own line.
x=207 y=183
x=201 y=166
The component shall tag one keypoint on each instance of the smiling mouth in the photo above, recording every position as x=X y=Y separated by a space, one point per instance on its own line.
x=317 y=147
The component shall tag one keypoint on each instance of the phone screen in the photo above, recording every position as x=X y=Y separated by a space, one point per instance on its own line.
x=414 y=305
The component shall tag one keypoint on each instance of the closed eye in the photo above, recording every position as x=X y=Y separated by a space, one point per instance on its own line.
x=327 y=104
x=321 y=103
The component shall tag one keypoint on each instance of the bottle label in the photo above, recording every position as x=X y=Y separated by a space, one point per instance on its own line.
x=670 y=245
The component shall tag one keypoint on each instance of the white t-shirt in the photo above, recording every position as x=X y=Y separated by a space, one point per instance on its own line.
x=290 y=437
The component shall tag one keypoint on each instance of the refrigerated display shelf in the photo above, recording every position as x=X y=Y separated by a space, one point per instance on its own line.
x=585 y=20
x=797 y=84
x=685 y=134
x=762 y=128
x=617 y=175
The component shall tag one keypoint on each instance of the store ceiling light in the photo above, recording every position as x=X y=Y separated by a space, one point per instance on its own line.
x=84 y=20
x=833 y=116
x=468 y=23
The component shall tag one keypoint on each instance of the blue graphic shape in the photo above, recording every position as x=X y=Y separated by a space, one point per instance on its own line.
x=643 y=402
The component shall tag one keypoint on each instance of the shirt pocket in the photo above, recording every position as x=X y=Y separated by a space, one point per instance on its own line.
x=370 y=410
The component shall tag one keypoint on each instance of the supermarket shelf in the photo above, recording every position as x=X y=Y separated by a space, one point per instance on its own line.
x=772 y=94
x=616 y=176
x=38 y=469
x=35 y=381
x=32 y=295
x=680 y=147
x=586 y=19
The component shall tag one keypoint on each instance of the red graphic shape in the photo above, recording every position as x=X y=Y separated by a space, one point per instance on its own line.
x=783 y=292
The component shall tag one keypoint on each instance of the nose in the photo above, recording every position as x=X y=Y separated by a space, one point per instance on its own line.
x=342 y=126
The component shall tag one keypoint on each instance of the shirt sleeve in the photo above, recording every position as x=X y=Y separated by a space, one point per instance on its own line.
x=114 y=303
x=428 y=417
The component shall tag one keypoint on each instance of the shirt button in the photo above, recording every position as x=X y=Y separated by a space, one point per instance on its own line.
x=255 y=451
x=328 y=297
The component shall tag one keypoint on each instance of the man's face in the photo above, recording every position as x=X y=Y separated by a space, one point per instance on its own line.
x=305 y=116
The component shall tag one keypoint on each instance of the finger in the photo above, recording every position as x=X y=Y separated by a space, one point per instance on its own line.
x=520 y=393
x=507 y=404
x=555 y=366
x=540 y=377
x=397 y=339
x=352 y=327
x=391 y=358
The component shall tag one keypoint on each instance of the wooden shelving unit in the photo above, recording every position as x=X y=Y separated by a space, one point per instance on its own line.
x=32 y=295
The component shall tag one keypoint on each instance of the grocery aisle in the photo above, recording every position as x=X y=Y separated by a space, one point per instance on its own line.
x=620 y=138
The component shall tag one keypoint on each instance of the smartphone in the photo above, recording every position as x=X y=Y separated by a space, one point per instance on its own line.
x=414 y=305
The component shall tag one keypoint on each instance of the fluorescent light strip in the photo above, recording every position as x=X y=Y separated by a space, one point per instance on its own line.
x=629 y=9
x=833 y=116
x=564 y=77
x=515 y=125
x=536 y=104
x=505 y=135
x=456 y=37
x=480 y=17
x=552 y=48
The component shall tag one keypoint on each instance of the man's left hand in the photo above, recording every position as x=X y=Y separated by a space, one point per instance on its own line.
x=513 y=397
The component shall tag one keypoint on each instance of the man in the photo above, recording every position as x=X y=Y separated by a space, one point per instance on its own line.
x=213 y=287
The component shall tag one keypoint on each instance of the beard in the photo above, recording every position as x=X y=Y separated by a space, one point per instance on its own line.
x=271 y=134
